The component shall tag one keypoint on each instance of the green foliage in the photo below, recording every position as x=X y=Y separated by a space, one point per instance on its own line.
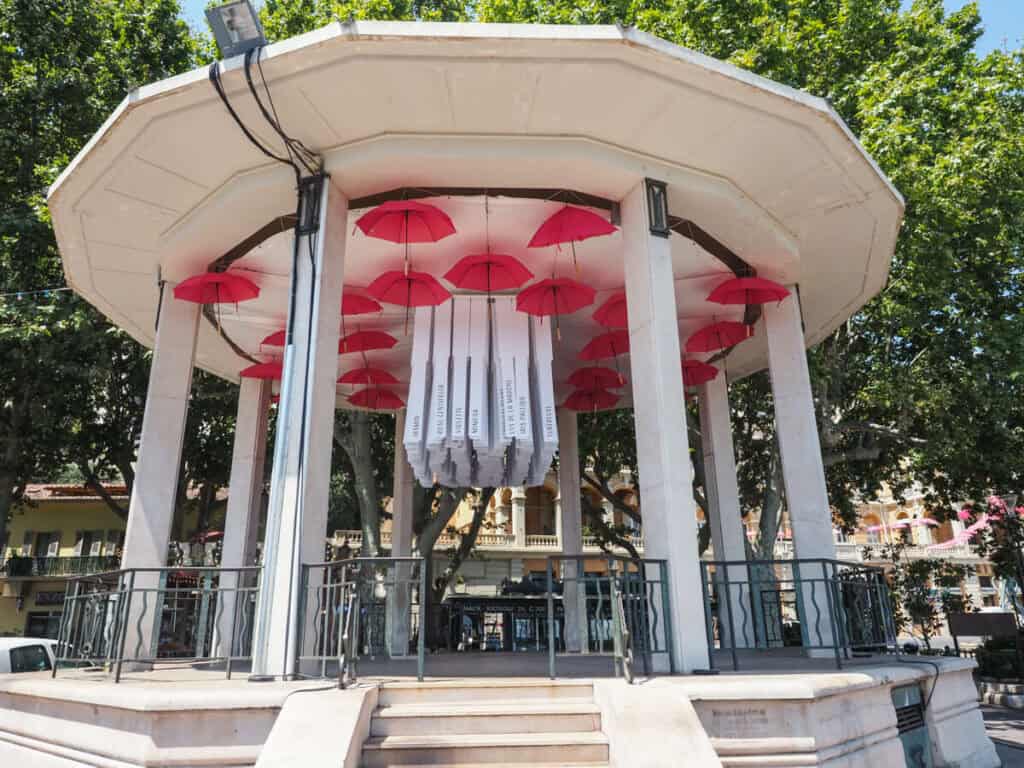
x=1000 y=540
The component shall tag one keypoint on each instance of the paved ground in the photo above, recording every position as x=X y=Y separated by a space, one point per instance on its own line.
x=1006 y=728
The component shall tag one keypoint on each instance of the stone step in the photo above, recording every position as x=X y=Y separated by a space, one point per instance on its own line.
x=556 y=716
x=510 y=749
x=484 y=690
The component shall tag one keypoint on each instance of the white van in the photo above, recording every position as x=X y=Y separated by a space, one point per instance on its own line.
x=26 y=654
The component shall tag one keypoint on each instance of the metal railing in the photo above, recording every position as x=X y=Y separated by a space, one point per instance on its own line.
x=830 y=607
x=621 y=610
x=487 y=541
x=30 y=567
x=363 y=607
x=154 y=616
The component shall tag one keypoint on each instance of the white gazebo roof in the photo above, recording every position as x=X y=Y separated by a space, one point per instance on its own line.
x=168 y=185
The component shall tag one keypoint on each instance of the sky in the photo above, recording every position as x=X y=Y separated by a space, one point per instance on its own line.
x=1003 y=20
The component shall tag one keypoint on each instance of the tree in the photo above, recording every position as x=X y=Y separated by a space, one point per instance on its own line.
x=64 y=65
x=999 y=538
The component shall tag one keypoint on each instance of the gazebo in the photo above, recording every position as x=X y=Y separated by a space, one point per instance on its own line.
x=706 y=173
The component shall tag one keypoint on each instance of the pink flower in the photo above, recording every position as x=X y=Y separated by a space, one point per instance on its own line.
x=996 y=502
x=964 y=514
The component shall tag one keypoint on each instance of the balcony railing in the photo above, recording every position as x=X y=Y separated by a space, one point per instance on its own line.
x=487 y=541
x=42 y=567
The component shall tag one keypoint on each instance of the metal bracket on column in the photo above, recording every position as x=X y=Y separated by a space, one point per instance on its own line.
x=310 y=193
x=657 y=207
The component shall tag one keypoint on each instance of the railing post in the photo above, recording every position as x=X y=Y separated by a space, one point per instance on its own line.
x=551 y=620
x=727 y=602
x=123 y=617
x=833 y=605
x=709 y=628
x=424 y=620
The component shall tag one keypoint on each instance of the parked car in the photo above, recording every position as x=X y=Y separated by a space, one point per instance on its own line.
x=26 y=654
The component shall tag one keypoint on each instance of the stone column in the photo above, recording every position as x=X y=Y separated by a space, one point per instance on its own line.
x=570 y=516
x=297 y=512
x=154 y=494
x=519 y=516
x=242 y=519
x=401 y=544
x=807 y=502
x=670 y=515
x=723 y=515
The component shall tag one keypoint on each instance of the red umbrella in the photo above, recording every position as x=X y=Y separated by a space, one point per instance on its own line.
x=216 y=288
x=612 y=314
x=596 y=377
x=364 y=341
x=554 y=296
x=748 y=290
x=276 y=339
x=367 y=375
x=417 y=289
x=570 y=225
x=271 y=370
x=488 y=272
x=611 y=344
x=406 y=221
x=590 y=400
x=720 y=335
x=376 y=398
x=695 y=372
x=354 y=304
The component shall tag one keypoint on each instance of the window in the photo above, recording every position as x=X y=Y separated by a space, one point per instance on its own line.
x=985 y=582
x=29 y=658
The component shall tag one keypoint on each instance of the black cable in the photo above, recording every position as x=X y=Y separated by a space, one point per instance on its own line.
x=296 y=145
x=214 y=74
x=290 y=143
x=935 y=680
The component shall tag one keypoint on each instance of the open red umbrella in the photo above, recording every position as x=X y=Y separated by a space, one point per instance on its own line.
x=695 y=372
x=570 y=225
x=596 y=377
x=271 y=370
x=748 y=290
x=216 y=288
x=416 y=289
x=354 y=304
x=488 y=272
x=611 y=344
x=367 y=375
x=590 y=400
x=276 y=339
x=406 y=221
x=364 y=341
x=612 y=314
x=554 y=296
x=376 y=398
x=720 y=335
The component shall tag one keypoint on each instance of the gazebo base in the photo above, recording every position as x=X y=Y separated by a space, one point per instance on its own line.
x=787 y=714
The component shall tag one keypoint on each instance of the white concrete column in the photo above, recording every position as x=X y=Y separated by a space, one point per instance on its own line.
x=242 y=518
x=570 y=516
x=727 y=534
x=154 y=494
x=401 y=543
x=519 y=516
x=803 y=473
x=297 y=512
x=670 y=514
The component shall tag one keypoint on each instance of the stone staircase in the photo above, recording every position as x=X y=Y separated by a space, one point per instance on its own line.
x=487 y=724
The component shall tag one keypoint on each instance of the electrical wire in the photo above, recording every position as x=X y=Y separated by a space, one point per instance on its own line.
x=214 y=74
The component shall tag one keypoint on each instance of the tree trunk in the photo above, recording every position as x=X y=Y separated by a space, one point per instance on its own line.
x=357 y=443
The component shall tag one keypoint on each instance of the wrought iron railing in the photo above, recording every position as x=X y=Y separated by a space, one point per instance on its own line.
x=30 y=567
x=827 y=607
x=363 y=607
x=154 y=616
x=621 y=610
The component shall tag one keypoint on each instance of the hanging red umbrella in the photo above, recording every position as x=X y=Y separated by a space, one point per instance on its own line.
x=554 y=296
x=406 y=221
x=748 y=290
x=367 y=375
x=596 y=377
x=570 y=225
x=376 y=398
x=216 y=288
x=276 y=339
x=590 y=400
x=611 y=344
x=364 y=341
x=720 y=335
x=271 y=370
x=488 y=272
x=612 y=314
x=354 y=304
x=417 y=289
x=695 y=372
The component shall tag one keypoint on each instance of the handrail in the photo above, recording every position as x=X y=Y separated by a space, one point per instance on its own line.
x=623 y=638
x=348 y=642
